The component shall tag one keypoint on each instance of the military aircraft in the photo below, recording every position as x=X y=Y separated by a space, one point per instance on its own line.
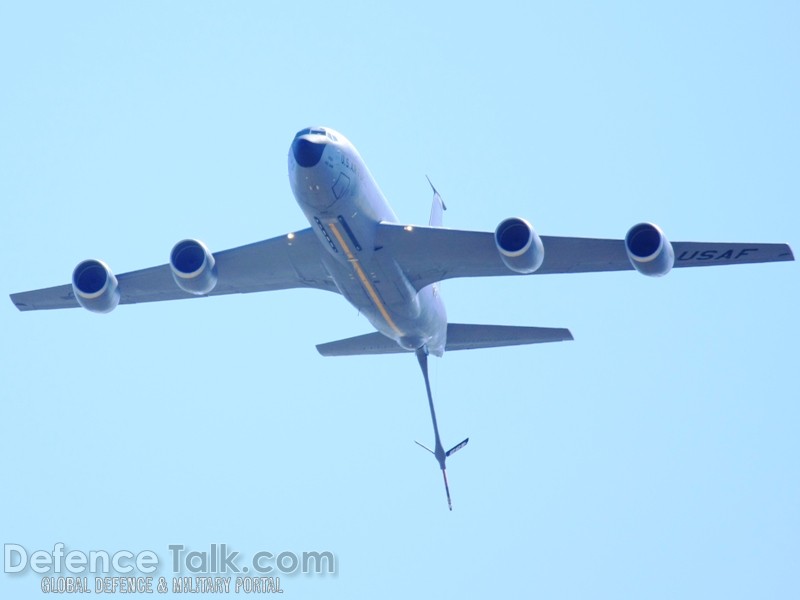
x=389 y=270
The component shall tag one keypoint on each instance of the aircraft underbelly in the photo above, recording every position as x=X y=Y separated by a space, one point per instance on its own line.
x=376 y=286
x=344 y=205
x=385 y=297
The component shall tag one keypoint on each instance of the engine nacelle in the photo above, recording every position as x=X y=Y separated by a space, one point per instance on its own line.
x=95 y=287
x=193 y=267
x=649 y=250
x=520 y=247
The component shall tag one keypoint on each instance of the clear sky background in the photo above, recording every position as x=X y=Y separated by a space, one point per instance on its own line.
x=656 y=456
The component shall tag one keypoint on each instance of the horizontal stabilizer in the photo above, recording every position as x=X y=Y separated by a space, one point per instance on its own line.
x=459 y=337
x=467 y=337
x=371 y=343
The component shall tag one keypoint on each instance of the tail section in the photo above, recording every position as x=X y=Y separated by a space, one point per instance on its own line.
x=437 y=209
x=370 y=343
x=468 y=337
x=459 y=337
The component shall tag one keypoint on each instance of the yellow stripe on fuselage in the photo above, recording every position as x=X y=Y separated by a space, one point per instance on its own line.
x=364 y=279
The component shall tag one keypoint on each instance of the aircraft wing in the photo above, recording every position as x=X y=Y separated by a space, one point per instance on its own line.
x=431 y=254
x=279 y=263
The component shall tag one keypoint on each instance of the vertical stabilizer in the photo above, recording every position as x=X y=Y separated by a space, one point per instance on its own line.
x=437 y=209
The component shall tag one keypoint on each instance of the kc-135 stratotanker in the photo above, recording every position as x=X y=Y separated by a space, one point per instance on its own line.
x=389 y=270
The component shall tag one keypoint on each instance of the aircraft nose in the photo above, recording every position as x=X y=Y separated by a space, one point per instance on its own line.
x=307 y=153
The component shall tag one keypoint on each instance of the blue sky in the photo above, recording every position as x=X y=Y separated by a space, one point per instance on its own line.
x=655 y=456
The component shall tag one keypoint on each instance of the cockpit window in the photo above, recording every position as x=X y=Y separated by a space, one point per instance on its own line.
x=316 y=131
x=311 y=131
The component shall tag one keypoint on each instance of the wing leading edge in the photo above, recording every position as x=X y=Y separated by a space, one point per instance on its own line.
x=289 y=261
x=431 y=254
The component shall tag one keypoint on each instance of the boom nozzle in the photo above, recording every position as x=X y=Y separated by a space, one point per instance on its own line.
x=447 y=489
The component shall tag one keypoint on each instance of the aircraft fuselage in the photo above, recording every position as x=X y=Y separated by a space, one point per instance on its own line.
x=344 y=204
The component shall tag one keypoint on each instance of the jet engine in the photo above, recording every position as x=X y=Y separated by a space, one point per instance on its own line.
x=95 y=287
x=193 y=267
x=649 y=250
x=520 y=247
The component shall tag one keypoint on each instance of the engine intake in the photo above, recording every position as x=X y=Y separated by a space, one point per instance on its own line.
x=193 y=267
x=520 y=248
x=95 y=287
x=649 y=250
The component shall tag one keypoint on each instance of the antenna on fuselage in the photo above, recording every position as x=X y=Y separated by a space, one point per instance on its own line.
x=438 y=451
